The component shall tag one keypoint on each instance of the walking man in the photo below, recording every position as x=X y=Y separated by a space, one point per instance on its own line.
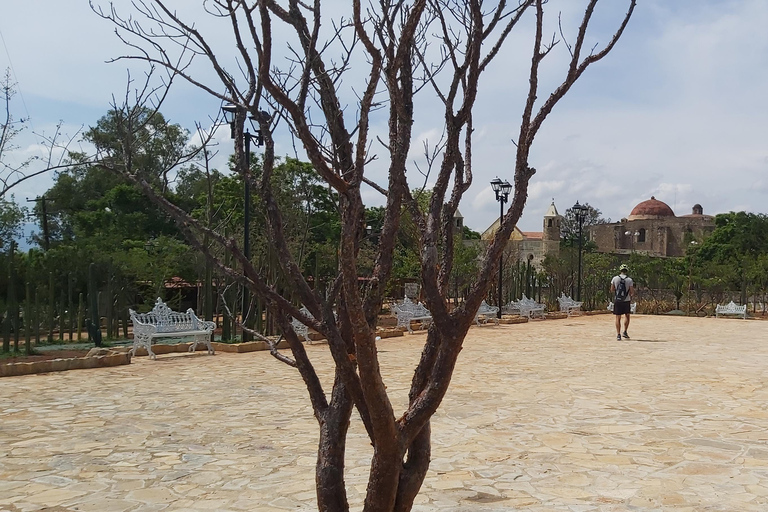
x=623 y=289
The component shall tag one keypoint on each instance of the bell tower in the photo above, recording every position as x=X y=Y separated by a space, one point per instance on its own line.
x=551 y=231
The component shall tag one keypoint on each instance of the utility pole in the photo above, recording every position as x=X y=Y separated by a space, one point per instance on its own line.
x=44 y=211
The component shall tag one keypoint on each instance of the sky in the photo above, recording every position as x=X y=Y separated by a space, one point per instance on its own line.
x=678 y=110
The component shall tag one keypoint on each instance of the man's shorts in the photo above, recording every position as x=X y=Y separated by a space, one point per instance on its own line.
x=621 y=307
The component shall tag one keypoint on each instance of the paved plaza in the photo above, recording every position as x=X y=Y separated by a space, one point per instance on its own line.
x=552 y=415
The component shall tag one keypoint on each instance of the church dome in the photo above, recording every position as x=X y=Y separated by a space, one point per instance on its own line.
x=651 y=209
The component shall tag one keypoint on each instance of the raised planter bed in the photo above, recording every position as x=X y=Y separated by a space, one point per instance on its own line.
x=116 y=356
x=112 y=358
x=513 y=319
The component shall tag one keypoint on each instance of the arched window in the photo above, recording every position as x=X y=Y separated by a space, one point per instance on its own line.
x=641 y=236
x=549 y=223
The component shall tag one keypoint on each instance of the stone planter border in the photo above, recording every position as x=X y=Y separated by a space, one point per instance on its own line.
x=59 y=365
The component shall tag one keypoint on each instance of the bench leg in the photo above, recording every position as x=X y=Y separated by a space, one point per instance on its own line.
x=405 y=322
x=204 y=339
x=141 y=339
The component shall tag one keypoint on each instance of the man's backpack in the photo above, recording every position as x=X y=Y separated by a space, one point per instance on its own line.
x=621 y=290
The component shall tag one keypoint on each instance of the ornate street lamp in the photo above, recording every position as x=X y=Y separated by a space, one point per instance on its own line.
x=692 y=253
x=580 y=211
x=230 y=116
x=502 y=190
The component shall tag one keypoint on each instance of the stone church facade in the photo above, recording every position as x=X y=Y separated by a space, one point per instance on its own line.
x=532 y=246
x=653 y=229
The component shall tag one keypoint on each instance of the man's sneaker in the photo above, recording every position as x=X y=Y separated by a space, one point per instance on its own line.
x=618 y=337
x=626 y=336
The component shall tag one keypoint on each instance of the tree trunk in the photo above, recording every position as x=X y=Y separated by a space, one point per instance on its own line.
x=386 y=465
x=329 y=471
x=414 y=470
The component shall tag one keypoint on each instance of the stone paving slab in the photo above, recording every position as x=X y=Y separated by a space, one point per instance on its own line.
x=543 y=416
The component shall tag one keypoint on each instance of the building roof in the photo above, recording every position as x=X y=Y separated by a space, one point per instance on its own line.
x=533 y=235
x=697 y=213
x=551 y=211
x=651 y=209
x=489 y=233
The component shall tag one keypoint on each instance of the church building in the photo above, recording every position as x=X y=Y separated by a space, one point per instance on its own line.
x=653 y=229
x=532 y=246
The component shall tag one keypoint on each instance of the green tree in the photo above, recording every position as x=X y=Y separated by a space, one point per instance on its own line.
x=97 y=216
x=569 y=227
x=598 y=270
x=11 y=221
x=465 y=266
x=739 y=238
x=675 y=278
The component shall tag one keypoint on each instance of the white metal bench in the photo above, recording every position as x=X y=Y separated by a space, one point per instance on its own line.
x=526 y=307
x=408 y=311
x=568 y=305
x=632 y=307
x=487 y=312
x=164 y=322
x=731 y=309
x=300 y=328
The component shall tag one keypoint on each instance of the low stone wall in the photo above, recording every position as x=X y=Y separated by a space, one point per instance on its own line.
x=390 y=332
x=513 y=319
x=60 y=365
x=249 y=346
x=162 y=349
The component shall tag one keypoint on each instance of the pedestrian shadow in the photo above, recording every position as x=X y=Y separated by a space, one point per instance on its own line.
x=649 y=341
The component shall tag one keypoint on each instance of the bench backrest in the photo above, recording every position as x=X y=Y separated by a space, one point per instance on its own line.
x=167 y=320
x=485 y=309
x=408 y=306
x=525 y=301
x=567 y=302
x=731 y=307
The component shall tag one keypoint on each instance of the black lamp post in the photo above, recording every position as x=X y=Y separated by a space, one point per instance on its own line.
x=502 y=190
x=692 y=253
x=230 y=115
x=581 y=213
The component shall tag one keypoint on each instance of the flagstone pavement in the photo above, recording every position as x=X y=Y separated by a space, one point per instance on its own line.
x=551 y=415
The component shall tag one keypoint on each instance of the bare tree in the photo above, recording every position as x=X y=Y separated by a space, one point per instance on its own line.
x=290 y=62
x=57 y=145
